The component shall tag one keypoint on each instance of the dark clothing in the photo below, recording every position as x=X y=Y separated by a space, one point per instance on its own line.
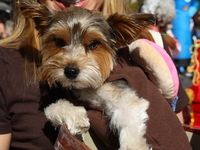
x=21 y=106
x=21 y=109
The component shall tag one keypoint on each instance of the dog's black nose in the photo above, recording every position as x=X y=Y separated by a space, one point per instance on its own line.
x=71 y=72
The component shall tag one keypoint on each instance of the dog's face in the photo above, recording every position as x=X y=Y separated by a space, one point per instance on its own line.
x=77 y=51
x=79 y=46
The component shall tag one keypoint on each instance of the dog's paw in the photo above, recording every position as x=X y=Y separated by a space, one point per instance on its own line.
x=75 y=117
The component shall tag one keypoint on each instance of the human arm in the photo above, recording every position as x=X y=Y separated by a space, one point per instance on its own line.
x=3 y=30
x=180 y=116
x=5 y=141
x=193 y=8
x=5 y=131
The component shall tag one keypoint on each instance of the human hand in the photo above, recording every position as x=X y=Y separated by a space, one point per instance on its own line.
x=185 y=7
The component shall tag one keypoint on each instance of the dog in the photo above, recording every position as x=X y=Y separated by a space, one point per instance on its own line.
x=79 y=51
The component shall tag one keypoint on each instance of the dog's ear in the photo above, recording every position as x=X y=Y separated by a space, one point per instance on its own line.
x=36 y=11
x=128 y=28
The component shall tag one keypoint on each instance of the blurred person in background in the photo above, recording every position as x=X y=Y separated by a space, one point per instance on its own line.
x=164 y=11
x=185 y=10
x=3 y=32
x=5 y=16
x=196 y=28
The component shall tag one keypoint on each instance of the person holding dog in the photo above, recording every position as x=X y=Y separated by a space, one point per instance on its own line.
x=22 y=96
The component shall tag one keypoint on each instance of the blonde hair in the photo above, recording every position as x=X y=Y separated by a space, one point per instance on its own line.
x=116 y=6
x=24 y=35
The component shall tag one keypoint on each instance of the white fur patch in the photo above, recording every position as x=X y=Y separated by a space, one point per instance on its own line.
x=74 y=117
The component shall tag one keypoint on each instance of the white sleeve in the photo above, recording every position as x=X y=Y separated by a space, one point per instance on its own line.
x=157 y=37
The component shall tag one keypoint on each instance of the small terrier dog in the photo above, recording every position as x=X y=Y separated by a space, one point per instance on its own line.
x=79 y=52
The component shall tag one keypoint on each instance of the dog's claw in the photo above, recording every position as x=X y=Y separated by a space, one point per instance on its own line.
x=81 y=125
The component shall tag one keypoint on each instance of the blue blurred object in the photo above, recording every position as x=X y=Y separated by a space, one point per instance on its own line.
x=181 y=69
x=185 y=10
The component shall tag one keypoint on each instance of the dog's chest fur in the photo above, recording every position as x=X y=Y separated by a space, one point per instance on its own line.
x=108 y=92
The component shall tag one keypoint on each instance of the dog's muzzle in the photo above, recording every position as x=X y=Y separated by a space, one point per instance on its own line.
x=71 y=72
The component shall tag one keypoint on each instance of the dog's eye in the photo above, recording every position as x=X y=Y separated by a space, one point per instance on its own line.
x=93 y=45
x=60 y=42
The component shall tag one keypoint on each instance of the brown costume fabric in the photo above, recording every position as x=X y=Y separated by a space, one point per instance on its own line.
x=21 y=112
x=164 y=131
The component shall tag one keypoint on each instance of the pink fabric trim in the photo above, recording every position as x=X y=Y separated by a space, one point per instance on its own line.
x=169 y=63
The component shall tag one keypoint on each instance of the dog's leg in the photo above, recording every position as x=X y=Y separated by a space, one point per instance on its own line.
x=130 y=122
x=74 y=117
x=127 y=114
